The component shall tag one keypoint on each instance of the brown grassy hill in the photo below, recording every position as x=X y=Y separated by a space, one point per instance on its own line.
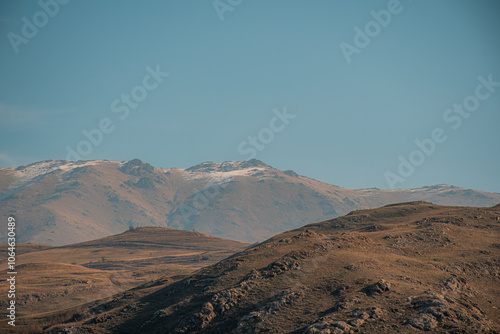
x=405 y=268
x=52 y=278
x=25 y=248
x=61 y=202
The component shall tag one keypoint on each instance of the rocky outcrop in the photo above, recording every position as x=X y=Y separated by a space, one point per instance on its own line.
x=137 y=168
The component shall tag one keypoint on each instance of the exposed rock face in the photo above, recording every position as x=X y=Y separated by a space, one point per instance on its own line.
x=137 y=168
x=145 y=183
x=256 y=320
x=377 y=288
x=435 y=310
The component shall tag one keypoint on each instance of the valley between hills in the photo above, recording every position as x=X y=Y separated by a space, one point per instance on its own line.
x=52 y=278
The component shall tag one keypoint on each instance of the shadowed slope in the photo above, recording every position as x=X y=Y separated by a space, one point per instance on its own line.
x=52 y=278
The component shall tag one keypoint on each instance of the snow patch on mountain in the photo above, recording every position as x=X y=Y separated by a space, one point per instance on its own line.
x=220 y=175
x=225 y=171
x=24 y=175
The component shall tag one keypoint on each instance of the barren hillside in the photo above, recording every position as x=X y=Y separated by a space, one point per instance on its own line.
x=61 y=202
x=54 y=278
x=406 y=268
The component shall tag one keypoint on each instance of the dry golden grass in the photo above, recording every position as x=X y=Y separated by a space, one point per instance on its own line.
x=398 y=269
x=55 y=278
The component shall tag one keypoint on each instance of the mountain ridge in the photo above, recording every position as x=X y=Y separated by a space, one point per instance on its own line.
x=63 y=202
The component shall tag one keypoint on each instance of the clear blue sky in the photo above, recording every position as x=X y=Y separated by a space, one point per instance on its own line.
x=353 y=120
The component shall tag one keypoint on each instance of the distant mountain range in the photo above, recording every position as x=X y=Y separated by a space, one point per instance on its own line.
x=63 y=202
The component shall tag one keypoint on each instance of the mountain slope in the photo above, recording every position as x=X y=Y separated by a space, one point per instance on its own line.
x=410 y=267
x=60 y=202
x=52 y=278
